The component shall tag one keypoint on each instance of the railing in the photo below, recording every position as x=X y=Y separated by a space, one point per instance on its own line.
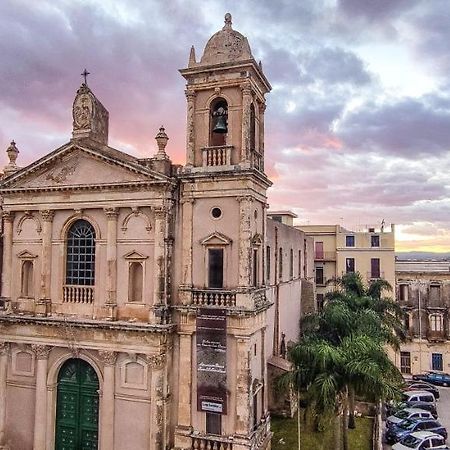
x=436 y=335
x=78 y=294
x=213 y=297
x=217 y=156
x=202 y=443
x=257 y=160
x=325 y=256
x=259 y=297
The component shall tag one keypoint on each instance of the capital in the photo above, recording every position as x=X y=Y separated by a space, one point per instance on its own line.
x=111 y=212
x=246 y=88
x=190 y=94
x=47 y=215
x=245 y=198
x=41 y=351
x=107 y=357
x=4 y=348
x=8 y=216
x=160 y=211
x=156 y=361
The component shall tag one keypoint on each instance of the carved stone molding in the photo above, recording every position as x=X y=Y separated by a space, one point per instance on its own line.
x=8 y=216
x=245 y=198
x=107 y=357
x=4 y=347
x=246 y=89
x=41 y=351
x=136 y=212
x=28 y=215
x=47 y=215
x=190 y=95
x=111 y=212
x=156 y=361
x=161 y=212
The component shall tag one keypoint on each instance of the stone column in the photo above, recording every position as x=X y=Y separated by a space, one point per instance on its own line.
x=190 y=128
x=108 y=400
x=159 y=253
x=246 y=103
x=46 y=265
x=8 y=219
x=4 y=348
x=243 y=381
x=185 y=380
x=188 y=216
x=157 y=410
x=245 y=204
x=40 y=408
x=111 y=261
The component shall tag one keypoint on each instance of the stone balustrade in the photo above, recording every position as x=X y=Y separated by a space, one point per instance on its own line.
x=213 y=297
x=202 y=443
x=78 y=294
x=217 y=156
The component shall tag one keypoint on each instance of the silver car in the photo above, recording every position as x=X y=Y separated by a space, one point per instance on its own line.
x=408 y=413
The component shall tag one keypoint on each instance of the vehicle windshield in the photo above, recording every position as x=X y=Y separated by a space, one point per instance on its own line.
x=410 y=442
x=407 y=424
x=402 y=414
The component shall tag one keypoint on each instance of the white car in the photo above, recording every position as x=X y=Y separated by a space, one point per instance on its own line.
x=408 y=413
x=420 y=440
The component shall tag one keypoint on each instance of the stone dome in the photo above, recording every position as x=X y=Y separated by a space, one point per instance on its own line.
x=227 y=45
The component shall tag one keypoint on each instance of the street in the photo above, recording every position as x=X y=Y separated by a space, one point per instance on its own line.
x=443 y=410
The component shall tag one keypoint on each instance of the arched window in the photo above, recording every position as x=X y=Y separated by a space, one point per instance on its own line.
x=80 y=259
x=436 y=322
x=27 y=279
x=218 y=122
x=135 y=282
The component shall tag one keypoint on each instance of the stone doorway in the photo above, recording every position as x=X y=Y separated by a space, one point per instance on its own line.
x=77 y=407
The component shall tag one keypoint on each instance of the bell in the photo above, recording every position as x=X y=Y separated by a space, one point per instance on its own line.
x=221 y=125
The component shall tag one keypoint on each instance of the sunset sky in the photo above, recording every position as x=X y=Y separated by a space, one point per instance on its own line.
x=357 y=123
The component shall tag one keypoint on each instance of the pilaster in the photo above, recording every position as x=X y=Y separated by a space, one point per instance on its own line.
x=43 y=305
x=40 y=412
x=111 y=261
x=245 y=203
x=108 y=399
x=161 y=214
x=242 y=386
x=246 y=103
x=158 y=413
x=187 y=242
x=262 y=109
x=4 y=352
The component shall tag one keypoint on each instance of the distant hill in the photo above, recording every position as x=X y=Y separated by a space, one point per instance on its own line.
x=422 y=256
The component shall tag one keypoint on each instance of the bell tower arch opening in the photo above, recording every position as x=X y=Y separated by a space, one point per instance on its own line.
x=218 y=122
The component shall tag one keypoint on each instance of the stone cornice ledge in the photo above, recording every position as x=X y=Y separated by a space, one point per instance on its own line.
x=88 y=323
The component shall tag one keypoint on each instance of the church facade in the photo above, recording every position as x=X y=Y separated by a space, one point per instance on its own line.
x=143 y=302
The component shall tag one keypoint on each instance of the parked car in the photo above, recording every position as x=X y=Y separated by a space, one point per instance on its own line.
x=397 y=432
x=421 y=440
x=418 y=396
x=422 y=386
x=392 y=409
x=408 y=413
x=437 y=378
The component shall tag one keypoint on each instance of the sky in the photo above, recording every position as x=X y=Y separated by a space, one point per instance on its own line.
x=357 y=123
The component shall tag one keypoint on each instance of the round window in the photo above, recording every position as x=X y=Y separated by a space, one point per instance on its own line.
x=216 y=213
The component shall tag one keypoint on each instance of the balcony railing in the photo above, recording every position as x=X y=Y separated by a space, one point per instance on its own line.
x=257 y=160
x=78 y=294
x=213 y=297
x=203 y=443
x=325 y=256
x=259 y=297
x=217 y=156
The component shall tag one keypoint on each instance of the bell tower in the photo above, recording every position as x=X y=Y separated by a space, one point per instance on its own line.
x=225 y=105
x=221 y=300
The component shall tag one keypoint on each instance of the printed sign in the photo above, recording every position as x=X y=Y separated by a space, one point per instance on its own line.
x=212 y=360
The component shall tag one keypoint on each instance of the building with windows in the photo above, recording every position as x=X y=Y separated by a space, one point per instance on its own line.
x=423 y=291
x=338 y=250
x=142 y=301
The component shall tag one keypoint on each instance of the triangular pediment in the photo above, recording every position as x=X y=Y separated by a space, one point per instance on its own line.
x=76 y=165
x=25 y=254
x=216 y=239
x=134 y=255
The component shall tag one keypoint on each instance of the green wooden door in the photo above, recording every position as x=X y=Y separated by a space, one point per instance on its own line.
x=77 y=407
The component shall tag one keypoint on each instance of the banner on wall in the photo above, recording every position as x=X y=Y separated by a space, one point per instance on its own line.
x=212 y=360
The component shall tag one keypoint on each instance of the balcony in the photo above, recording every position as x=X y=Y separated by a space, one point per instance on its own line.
x=436 y=336
x=217 y=156
x=213 y=297
x=324 y=256
x=257 y=160
x=210 y=443
x=78 y=294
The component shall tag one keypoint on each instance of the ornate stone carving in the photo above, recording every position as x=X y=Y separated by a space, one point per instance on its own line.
x=47 y=215
x=62 y=173
x=28 y=215
x=111 y=212
x=156 y=361
x=83 y=109
x=245 y=198
x=4 y=347
x=107 y=357
x=136 y=212
x=8 y=216
x=41 y=351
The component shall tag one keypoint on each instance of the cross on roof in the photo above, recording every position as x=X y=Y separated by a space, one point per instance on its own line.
x=85 y=74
